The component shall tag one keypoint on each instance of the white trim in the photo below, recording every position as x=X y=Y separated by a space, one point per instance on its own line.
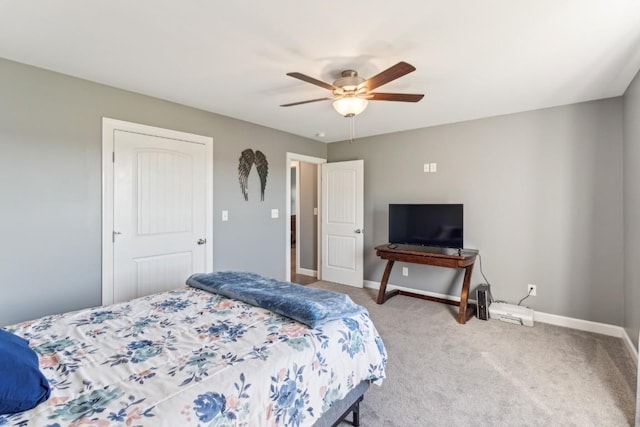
x=319 y=222
x=289 y=157
x=306 y=159
x=108 y=129
x=551 y=319
x=579 y=324
x=109 y=126
x=298 y=216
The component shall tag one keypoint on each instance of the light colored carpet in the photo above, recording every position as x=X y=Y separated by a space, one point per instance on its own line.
x=491 y=373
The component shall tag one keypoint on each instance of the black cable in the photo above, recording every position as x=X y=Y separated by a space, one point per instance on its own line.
x=528 y=295
x=489 y=285
x=487 y=281
x=481 y=272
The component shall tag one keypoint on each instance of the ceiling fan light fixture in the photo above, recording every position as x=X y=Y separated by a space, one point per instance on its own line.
x=350 y=106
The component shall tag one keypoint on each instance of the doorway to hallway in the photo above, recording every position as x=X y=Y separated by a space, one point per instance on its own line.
x=303 y=221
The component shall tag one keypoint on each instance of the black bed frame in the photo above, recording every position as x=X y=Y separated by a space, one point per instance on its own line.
x=341 y=409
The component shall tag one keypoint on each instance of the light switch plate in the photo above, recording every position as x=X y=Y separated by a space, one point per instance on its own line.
x=225 y=215
x=274 y=213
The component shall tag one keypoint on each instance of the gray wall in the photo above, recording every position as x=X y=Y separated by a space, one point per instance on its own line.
x=50 y=187
x=542 y=194
x=632 y=209
x=308 y=245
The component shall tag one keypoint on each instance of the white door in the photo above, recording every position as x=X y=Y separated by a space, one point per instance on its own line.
x=342 y=222
x=160 y=208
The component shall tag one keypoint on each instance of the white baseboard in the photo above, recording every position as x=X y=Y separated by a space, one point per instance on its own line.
x=307 y=272
x=552 y=319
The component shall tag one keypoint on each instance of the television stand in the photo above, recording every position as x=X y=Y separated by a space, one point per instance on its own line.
x=455 y=259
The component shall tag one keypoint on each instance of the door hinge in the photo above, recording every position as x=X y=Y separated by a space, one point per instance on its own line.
x=113 y=157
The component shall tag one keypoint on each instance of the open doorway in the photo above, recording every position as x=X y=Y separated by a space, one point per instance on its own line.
x=303 y=196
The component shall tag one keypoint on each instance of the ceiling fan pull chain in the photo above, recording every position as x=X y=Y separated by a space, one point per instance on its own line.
x=352 y=129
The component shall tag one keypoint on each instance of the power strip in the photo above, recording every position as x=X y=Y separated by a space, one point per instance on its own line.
x=511 y=313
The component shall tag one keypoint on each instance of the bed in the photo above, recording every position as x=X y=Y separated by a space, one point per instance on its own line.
x=190 y=357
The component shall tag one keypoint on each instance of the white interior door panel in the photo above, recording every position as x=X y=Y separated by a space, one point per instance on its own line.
x=342 y=222
x=157 y=203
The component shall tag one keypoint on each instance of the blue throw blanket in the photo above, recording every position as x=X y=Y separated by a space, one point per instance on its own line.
x=310 y=306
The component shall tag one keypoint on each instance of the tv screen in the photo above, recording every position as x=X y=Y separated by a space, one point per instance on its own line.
x=426 y=225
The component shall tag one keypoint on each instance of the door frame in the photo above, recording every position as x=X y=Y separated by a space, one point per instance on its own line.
x=295 y=164
x=109 y=127
x=287 y=247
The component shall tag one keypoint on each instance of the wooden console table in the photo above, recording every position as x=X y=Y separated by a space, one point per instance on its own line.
x=465 y=260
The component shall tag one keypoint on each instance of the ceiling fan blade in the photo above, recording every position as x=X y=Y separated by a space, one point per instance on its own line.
x=311 y=80
x=306 y=102
x=404 y=97
x=391 y=73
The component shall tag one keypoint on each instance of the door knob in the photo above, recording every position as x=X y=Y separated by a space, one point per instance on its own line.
x=201 y=241
x=358 y=231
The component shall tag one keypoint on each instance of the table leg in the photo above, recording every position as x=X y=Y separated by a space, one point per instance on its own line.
x=464 y=294
x=383 y=283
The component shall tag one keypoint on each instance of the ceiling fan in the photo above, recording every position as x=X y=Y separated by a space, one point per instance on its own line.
x=351 y=92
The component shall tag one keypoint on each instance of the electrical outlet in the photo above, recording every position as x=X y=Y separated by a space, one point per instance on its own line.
x=405 y=271
x=531 y=290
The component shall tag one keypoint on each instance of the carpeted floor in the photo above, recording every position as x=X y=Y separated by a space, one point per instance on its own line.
x=490 y=373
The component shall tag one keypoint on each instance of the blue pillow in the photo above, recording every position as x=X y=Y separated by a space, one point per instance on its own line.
x=22 y=384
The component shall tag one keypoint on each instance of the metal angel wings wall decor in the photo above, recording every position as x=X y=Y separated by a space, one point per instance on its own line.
x=248 y=158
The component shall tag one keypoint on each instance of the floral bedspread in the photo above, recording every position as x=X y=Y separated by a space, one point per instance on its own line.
x=190 y=358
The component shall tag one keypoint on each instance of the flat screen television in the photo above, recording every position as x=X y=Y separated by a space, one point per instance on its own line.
x=437 y=225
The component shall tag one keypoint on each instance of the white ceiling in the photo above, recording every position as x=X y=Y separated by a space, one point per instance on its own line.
x=474 y=58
